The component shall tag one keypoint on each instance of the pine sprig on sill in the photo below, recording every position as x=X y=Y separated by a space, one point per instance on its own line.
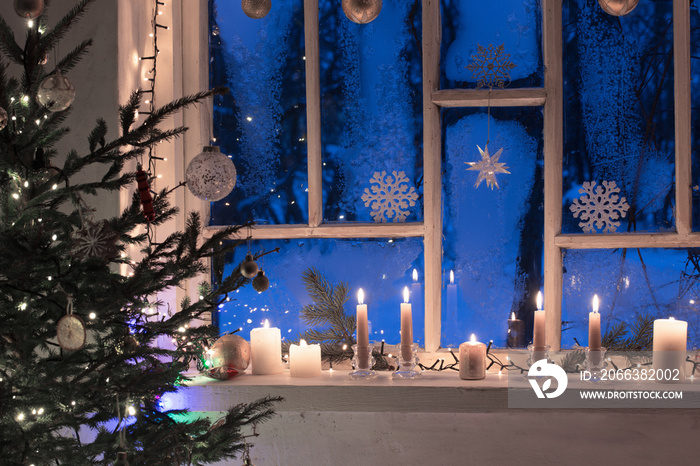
x=642 y=332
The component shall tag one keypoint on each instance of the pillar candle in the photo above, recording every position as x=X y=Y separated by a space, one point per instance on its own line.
x=594 y=339
x=266 y=350
x=670 y=340
x=538 y=337
x=516 y=331
x=304 y=360
x=406 y=328
x=362 y=332
x=472 y=360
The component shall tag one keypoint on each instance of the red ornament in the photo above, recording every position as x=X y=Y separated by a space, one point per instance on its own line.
x=145 y=193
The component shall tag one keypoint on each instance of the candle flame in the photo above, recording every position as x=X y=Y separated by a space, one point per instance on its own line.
x=671 y=318
x=512 y=315
x=539 y=300
x=405 y=294
x=360 y=296
x=302 y=342
x=473 y=338
x=267 y=324
x=415 y=275
x=452 y=277
x=595 y=303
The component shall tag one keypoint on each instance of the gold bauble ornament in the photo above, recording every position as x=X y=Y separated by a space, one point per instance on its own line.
x=618 y=7
x=29 y=9
x=228 y=357
x=362 y=11
x=256 y=9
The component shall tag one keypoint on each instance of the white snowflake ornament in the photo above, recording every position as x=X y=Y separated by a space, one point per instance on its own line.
x=491 y=66
x=488 y=166
x=389 y=196
x=599 y=208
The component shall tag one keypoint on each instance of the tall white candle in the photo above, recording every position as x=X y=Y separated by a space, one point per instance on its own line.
x=452 y=300
x=406 y=328
x=670 y=341
x=304 y=360
x=472 y=360
x=594 y=339
x=362 y=332
x=538 y=337
x=266 y=350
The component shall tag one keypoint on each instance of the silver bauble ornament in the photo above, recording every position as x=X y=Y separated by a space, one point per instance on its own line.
x=29 y=9
x=249 y=268
x=228 y=357
x=618 y=7
x=56 y=92
x=211 y=175
x=261 y=282
x=362 y=11
x=256 y=9
x=3 y=118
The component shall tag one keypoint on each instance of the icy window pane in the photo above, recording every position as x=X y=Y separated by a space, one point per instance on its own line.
x=493 y=238
x=381 y=267
x=619 y=111
x=695 y=115
x=660 y=283
x=514 y=24
x=371 y=105
x=261 y=123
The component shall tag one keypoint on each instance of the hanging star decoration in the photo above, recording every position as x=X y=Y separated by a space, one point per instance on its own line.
x=491 y=66
x=488 y=167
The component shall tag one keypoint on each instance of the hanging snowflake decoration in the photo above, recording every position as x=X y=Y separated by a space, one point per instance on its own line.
x=95 y=240
x=599 y=207
x=389 y=196
x=488 y=166
x=491 y=66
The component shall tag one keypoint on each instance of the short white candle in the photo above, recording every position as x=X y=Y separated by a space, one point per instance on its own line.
x=594 y=339
x=538 y=337
x=472 y=360
x=362 y=332
x=406 y=328
x=304 y=360
x=266 y=350
x=670 y=341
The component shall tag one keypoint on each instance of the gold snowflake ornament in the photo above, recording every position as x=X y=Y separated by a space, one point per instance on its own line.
x=488 y=166
x=491 y=66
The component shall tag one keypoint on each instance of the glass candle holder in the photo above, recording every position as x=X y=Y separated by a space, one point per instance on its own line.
x=362 y=361
x=406 y=367
x=537 y=353
x=594 y=364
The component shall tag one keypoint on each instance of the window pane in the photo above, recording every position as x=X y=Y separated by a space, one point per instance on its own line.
x=493 y=238
x=660 y=283
x=261 y=123
x=371 y=105
x=695 y=112
x=468 y=25
x=381 y=267
x=618 y=106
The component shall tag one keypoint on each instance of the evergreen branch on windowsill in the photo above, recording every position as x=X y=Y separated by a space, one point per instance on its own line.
x=642 y=332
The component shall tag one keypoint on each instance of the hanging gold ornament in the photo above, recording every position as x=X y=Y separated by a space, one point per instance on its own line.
x=362 y=11
x=256 y=9
x=618 y=7
x=29 y=9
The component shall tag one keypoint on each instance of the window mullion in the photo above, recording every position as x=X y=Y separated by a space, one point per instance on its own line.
x=681 y=64
x=313 y=112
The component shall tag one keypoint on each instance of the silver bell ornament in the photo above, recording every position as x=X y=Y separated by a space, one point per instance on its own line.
x=29 y=9
x=249 y=268
x=211 y=175
x=618 y=7
x=256 y=9
x=3 y=118
x=261 y=282
x=56 y=92
x=362 y=11
x=228 y=357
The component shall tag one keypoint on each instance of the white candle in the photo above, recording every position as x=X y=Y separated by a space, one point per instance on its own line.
x=538 y=337
x=417 y=292
x=670 y=340
x=305 y=360
x=452 y=300
x=266 y=350
x=406 y=328
x=594 y=339
x=362 y=332
x=472 y=360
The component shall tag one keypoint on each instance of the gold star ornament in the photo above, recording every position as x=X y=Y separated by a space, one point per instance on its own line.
x=488 y=167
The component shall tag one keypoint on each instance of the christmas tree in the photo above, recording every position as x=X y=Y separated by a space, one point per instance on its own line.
x=81 y=375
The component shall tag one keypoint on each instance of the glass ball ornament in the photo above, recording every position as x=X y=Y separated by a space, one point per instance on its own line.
x=261 y=282
x=249 y=268
x=56 y=92
x=618 y=7
x=211 y=175
x=228 y=357
x=362 y=11
x=256 y=9
x=3 y=118
x=29 y=9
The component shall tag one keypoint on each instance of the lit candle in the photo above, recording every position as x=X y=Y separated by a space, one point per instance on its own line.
x=417 y=291
x=594 y=339
x=516 y=331
x=452 y=299
x=472 y=360
x=670 y=340
x=406 y=328
x=538 y=337
x=304 y=360
x=266 y=350
x=362 y=332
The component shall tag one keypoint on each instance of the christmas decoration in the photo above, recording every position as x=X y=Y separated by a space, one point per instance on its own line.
x=95 y=240
x=249 y=268
x=261 y=282
x=29 y=9
x=121 y=459
x=599 y=207
x=491 y=66
x=145 y=193
x=211 y=175
x=228 y=357
x=488 y=167
x=56 y=92
x=3 y=118
x=389 y=196
x=618 y=7
x=70 y=330
x=256 y=9
x=362 y=11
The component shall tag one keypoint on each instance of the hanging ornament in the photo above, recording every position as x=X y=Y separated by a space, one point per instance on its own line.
x=389 y=196
x=261 y=282
x=29 y=9
x=618 y=7
x=228 y=357
x=491 y=66
x=145 y=193
x=96 y=240
x=211 y=175
x=249 y=268
x=70 y=330
x=3 y=118
x=600 y=207
x=362 y=11
x=488 y=167
x=256 y=9
x=56 y=92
